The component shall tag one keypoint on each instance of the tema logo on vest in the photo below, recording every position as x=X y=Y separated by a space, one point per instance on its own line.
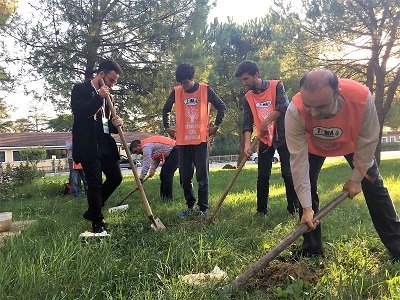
x=327 y=133
x=191 y=101
x=264 y=104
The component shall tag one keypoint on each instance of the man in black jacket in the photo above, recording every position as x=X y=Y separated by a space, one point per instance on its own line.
x=93 y=145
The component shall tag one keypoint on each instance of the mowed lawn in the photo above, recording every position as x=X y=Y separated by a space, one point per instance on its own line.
x=50 y=261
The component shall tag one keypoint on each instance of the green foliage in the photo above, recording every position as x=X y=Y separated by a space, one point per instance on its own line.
x=67 y=40
x=393 y=117
x=33 y=155
x=366 y=33
x=6 y=177
x=62 y=123
x=225 y=144
x=26 y=173
x=12 y=177
x=7 y=8
x=5 y=124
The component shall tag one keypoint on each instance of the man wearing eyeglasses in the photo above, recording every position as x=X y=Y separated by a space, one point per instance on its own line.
x=192 y=130
x=93 y=145
x=337 y=117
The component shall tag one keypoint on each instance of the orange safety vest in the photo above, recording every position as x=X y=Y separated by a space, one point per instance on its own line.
x=192 y=115
x=262 y=105
x=336 y=136
x=158 y=139
x=76 y=166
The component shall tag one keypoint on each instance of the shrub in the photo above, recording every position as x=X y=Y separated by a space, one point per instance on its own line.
x=26 y=173
x=19 y=175
x=6 y=180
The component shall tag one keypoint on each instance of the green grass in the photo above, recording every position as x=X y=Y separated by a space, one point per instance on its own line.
x=49 y=261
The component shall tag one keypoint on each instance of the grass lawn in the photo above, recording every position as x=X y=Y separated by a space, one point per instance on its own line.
x=49 y=261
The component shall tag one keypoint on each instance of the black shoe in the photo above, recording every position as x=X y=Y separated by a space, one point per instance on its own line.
x=104 y=224
x=98 y=228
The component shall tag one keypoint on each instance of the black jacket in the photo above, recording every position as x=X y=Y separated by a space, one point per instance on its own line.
x=87 y=134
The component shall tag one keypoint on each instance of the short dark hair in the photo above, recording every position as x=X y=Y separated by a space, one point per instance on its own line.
x=108 y=65
x=134 y=145
x=183 y=72
x=247 y=66
x=331 y=80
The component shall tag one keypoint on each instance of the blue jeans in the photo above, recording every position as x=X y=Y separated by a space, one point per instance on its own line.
x=75 y=178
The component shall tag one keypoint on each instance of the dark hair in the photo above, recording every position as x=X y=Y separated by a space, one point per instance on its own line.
x=183 y=72
x=330 y=79
x=109 y=65
x=134 y=144
x=247 y=66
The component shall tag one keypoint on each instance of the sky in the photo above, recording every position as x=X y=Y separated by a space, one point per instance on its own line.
x=239 y=11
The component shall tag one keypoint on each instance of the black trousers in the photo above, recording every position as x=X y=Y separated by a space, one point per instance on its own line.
x=167 y=173
x=99 y=191
x=265 y=155
x=190 y=157
x=379 y=203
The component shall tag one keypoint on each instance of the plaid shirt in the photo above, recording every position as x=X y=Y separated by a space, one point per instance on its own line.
x=281 y=105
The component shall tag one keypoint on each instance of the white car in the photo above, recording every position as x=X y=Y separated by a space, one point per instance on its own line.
x=275 y=158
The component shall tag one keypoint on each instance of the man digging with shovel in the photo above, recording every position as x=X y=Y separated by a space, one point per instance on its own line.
x=158 y=150
x=93 y=145
x=337 y=117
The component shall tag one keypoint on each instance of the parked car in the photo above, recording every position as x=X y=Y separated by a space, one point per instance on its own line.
x=275 y=158
x=124 y=162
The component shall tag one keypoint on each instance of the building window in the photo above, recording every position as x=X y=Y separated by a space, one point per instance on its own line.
x=384 y=140
x=2 y=156
x=16 y=156
x=392 y=139
x=59 y=153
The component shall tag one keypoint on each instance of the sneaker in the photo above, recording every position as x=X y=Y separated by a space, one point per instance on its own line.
x=185 y=213
x=98 y=228
x=202 y=214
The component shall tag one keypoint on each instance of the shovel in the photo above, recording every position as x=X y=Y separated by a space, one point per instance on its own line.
x=121 y=206
x=265 y=260
x=156 y=223
x=230 y=184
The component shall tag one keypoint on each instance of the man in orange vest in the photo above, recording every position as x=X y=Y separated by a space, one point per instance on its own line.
x=265 y=104
x=191 y=131
x=332 y=117
x=158 y=150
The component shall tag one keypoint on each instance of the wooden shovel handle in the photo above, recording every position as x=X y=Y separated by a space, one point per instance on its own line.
x=230 y=184
x=264 y=261
x=133 y=167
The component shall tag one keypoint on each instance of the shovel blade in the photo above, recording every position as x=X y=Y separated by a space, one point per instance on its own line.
x=156 y=224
